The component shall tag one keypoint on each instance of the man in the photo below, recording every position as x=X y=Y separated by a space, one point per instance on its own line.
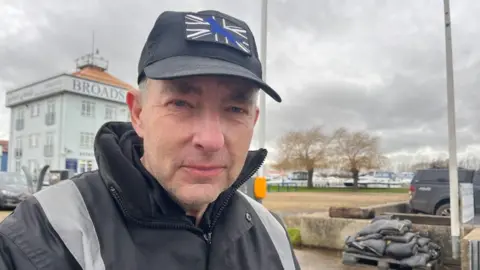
x=165 y=195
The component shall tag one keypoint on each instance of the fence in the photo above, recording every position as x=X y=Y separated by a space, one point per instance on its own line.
x=331 y=182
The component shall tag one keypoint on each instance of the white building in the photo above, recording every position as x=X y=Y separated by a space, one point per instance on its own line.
x=54 y=121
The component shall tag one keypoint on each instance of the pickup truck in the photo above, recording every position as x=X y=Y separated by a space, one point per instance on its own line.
x=430 y=190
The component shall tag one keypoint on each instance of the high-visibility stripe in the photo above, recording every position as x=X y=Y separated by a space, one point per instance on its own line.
x=276 y=232
x=66 y=211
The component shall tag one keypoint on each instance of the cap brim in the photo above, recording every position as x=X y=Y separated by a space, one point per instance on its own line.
x=184 y=66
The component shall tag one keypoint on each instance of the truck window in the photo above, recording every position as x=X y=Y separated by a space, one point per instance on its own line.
x=437 y=176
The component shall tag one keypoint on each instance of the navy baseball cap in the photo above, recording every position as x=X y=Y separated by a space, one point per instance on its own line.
x=208 y=42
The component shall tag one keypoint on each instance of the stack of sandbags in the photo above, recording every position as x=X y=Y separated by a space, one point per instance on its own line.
x=394 y=239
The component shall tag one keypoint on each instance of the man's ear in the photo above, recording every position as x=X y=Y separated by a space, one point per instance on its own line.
x=257 y=113
x=134 y=102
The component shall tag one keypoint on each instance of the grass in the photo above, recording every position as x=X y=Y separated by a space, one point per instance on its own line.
x=294 y=235
x=347 y=190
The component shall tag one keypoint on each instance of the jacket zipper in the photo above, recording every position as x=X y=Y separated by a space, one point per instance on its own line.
x=208 y=237
x=262 y=155
x=258 y=160
x=236 y=186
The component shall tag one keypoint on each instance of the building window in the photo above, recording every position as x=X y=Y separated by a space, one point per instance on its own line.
x=86 y=140
x=88 y=108
x=33 y=140
x=18 y=147
x=89 y=165
x=48 y=147
x=33 y=167
x=18 y=165
x=50 y=115
x=20 y=119
x=110 y=113
x=85 y=166
x=34 y=110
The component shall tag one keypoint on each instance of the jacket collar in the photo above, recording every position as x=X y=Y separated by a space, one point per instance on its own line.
x=114 y=147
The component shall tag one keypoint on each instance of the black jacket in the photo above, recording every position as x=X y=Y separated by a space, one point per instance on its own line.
x=119 y=218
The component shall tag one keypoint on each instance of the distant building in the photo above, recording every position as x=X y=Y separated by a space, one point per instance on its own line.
x=3 y=155
x=54 y=121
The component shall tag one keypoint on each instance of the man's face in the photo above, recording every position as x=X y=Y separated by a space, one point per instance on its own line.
x=196 y=132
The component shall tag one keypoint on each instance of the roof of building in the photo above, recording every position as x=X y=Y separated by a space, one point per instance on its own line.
x=4 y=144
x=97 y=74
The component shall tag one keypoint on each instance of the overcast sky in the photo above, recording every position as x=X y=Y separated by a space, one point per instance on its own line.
x=366 y=65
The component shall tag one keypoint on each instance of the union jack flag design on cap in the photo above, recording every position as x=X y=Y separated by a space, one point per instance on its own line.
x=209 y=28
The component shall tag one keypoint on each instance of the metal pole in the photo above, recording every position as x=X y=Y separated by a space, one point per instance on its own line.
x=452 y=141
x=262 y=129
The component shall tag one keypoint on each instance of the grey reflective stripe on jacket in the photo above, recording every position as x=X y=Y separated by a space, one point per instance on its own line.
x=276 y=232
x=66 y=211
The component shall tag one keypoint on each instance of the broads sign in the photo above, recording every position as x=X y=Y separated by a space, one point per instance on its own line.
x=61 y=84
x=98 y=90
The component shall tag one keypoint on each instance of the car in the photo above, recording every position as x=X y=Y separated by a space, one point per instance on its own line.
x=430 y=190
x=13 y=189
x=299 y=176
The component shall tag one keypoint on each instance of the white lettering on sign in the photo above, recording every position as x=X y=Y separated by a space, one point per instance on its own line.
x=65 y=83
x=33 y=92
x=98 y=90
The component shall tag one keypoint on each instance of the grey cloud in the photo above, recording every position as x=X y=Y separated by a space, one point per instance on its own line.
x=405 y=46
x=376 y=65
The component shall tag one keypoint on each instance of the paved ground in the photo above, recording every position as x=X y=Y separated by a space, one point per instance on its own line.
x=321 y=201
x=314 y=260
x=331 y=260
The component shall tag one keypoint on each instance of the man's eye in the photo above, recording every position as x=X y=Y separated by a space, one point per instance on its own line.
x=180 y=103
x=237 y=110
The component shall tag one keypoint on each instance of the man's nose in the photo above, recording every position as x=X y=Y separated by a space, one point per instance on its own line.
x=209 y=133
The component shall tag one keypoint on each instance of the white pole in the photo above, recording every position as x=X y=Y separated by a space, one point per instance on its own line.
x=262 y=129
x=452 y=140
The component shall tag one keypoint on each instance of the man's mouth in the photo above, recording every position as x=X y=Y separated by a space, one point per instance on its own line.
x=204 y=171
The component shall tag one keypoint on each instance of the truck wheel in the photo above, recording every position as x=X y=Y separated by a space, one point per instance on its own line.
x=443 y=210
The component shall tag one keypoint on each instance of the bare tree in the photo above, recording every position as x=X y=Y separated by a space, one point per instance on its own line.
x=420 y=165
x=470 y=162
x=358 y=150
x=434 y=163
x=307 y=149
x=403 y=167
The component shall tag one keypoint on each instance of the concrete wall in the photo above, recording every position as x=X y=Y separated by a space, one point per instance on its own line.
x=465 y=247
x=395 y=207
x=320 y=231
